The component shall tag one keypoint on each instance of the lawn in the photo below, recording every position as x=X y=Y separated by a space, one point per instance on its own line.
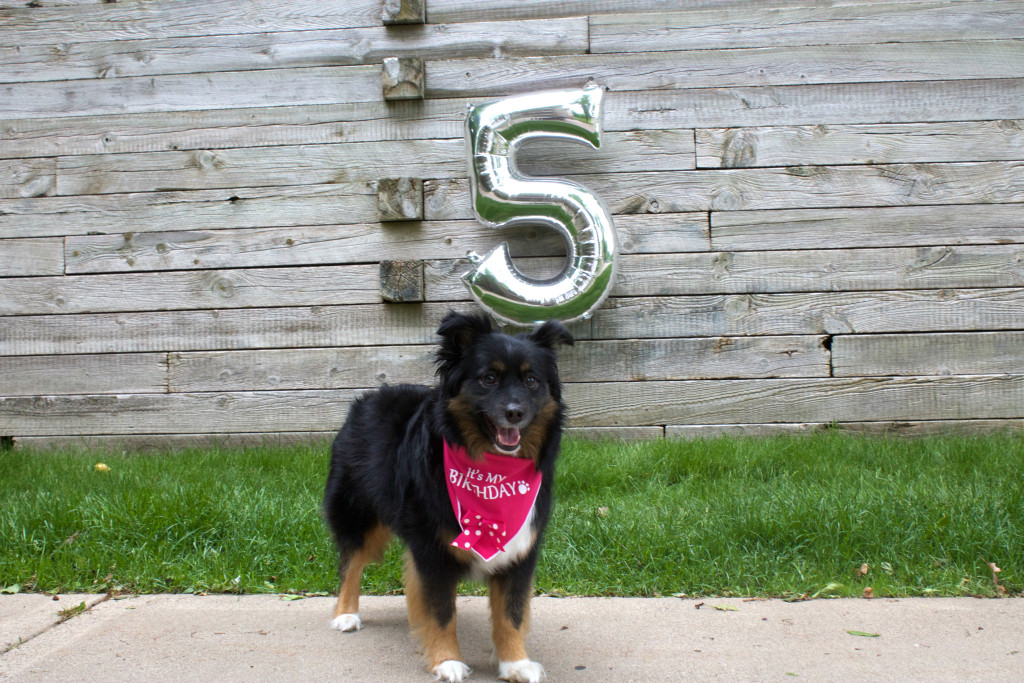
x=825 y=515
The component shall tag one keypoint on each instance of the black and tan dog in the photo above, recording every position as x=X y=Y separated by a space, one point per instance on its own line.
x=413 y=461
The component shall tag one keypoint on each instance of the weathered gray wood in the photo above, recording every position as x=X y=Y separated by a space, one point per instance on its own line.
x=246 y=207
x=403 y=78
x=831 y=103
x=243 y=52
x=715 y=29
x=777 y=188
x=903 y=428
x=635 y=360
x=257 y=287
x=871 y=144
x=165 y=444
x=125 y=373
x=780 y=271
x=590 y=405
x=642 y=233
x=817 y=313
x=404 y=12
x=258 y=411
x=928 y=354
x=618 y=318
x=778 y=400
x=354 y=162
x=442 y=11
x=981 y=100
x=401 y=282
x=743 y=67
x=226 y=128
x=40 y=256
x=400 y=199
x=188 y=92
x=273 y=369
x=27 y=178
x=168 y=18
x=286 y=327
x=867 y=227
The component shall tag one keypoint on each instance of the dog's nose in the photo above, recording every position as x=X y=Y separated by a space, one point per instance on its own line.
x=513 y=413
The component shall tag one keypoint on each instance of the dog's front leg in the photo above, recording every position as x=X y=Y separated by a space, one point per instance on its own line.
x=510 y=615
x=430 y=597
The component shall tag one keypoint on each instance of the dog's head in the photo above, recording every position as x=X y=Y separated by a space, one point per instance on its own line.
x=503 y=392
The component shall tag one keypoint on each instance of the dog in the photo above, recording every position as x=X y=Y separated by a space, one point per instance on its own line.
x=482 y=445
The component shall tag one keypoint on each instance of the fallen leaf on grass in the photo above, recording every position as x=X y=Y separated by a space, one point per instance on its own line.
x=11 y=590
x=864 y=634
x=863 y=571
x=100 y=467
x=292 y=597
x=726 y=608
x=1000 y=589
x=869 y=592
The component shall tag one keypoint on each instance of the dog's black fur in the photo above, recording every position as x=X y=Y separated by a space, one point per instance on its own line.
x=495 y=393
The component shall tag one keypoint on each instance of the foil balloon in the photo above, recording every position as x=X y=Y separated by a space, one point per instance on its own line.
x=503 y=197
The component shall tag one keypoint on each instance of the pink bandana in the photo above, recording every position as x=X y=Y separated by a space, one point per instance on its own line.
x=491 y=498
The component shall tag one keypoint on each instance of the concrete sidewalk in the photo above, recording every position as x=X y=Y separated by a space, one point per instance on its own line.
x=262 y=638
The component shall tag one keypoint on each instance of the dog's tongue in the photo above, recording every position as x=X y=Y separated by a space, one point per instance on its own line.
x=508 y=436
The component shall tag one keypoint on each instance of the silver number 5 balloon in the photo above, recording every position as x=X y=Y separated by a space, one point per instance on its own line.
x=503 y=197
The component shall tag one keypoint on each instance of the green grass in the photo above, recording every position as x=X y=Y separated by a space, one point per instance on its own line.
x=787 y=516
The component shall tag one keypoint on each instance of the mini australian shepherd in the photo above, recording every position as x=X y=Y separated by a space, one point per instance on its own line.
x=462 y=472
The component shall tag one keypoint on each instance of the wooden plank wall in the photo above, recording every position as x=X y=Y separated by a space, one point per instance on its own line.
x=820 y=208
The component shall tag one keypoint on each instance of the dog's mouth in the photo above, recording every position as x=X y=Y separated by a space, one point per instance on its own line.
x=506 y=439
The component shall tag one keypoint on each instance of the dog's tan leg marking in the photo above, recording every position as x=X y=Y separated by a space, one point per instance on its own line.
x=440 y=644
x=374 y=543
x=508 y=640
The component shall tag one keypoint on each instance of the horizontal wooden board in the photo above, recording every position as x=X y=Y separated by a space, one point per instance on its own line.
x=650 y=233
x=52 y=23
x=31 y=256
x=277 y=50
x=815 y=313
x=928 y=354
x=226 y=128
x=781 y=271
x=487 y=10
x=715 y=29
x=170 y=443
x=146 y=212
x=589 y=405
x=27 y=178
x=832 y=103
x=212 y=289
x=639 y=360
x=92 y=374
x=618 y=318
x=868 y=227
x=731 y=67
x=869 y=144
x=187 y=92
x=119 y=132
x=355 y=162
x=778 y=400
x=288 y=327
x=777 y=188
x=904 y=428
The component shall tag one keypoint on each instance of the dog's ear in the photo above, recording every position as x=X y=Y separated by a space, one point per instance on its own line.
x=458 y=332
x=550 y=333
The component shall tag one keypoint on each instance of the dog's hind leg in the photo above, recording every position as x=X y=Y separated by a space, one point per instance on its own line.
x=509 y=596
x=431 y=603
x=350 y=567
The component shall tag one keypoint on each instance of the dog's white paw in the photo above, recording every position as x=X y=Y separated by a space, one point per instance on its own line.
x=451 y=671
x=521 y=671
x=347 y=622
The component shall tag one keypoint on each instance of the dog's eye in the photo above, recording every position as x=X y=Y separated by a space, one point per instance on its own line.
x=489 y=378
x=531 y=382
